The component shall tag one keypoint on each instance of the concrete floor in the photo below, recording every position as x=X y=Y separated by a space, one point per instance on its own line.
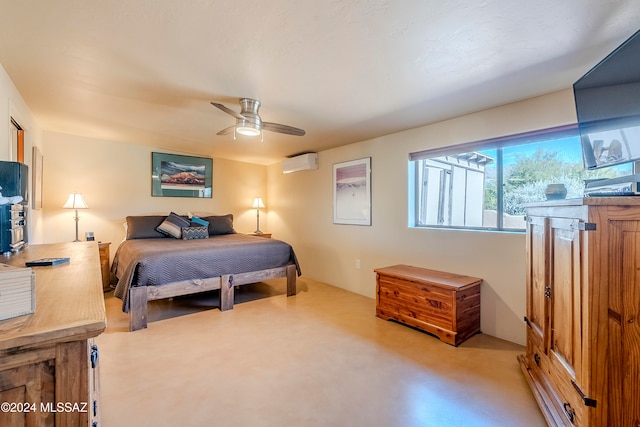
x=320 y=358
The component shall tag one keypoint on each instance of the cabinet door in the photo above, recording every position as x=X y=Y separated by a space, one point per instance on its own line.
x=537 y=278
x=565 y=306
x=32 y=387
x=623 y=351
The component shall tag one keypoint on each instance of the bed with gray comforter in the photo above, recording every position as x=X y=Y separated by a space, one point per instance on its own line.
x=158 y=267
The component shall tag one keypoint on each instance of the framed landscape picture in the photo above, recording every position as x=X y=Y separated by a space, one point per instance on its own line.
x=352 y=192
x=174 y=175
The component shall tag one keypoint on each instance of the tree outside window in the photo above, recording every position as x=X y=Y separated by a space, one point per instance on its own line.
x=488 y=188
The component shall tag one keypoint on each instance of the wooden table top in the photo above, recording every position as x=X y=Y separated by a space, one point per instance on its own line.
x=69 y=297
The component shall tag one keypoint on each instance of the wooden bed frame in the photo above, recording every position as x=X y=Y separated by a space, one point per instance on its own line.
x=139 y=296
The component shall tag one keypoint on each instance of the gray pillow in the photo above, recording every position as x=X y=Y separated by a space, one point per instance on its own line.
x=220 y=224
x=144 y=227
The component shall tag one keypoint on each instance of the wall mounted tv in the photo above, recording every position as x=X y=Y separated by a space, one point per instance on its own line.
x=608 y=107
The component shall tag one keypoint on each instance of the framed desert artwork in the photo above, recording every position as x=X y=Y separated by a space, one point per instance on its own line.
x=352 y=192
x=174 y=175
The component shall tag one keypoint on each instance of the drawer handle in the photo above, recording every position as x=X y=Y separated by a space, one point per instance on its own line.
x=95 y=355
x=571 y=414
x=536 y=358
x=587 y=401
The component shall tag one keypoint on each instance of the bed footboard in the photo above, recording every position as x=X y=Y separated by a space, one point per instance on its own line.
x=139 y=296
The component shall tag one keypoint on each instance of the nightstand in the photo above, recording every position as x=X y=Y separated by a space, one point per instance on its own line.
x=265 y=235
x=103 y=247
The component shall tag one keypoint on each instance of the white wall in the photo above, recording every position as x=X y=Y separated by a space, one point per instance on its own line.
x=115 y=180
x=12 y=105
x=301 y=213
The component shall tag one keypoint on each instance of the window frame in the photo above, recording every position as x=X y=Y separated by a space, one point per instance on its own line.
x=497 y=143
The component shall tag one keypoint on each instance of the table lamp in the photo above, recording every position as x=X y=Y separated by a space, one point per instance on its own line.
x=76 y=201
x=257 y=205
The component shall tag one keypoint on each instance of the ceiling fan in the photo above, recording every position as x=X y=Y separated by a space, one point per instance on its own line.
x=248 y=122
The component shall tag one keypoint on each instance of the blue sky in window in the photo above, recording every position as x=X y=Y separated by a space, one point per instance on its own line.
x=568 y=149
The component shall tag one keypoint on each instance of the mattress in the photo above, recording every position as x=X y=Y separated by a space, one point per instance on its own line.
x=154 y=262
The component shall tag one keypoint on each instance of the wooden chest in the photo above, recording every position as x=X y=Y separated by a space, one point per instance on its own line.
x=443 y=304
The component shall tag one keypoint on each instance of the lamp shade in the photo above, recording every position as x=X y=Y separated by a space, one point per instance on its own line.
x=257 y=203
x=75 y=201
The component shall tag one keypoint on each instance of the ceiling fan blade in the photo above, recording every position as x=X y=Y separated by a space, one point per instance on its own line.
x=228 y=111
x=277 y=127
x=226 y=131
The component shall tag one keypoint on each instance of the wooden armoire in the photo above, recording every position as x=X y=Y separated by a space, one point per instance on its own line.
x=583 y=311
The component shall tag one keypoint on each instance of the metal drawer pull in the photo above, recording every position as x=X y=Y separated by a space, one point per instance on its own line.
x=571 y=414
x=94 y=356
x=587 y=401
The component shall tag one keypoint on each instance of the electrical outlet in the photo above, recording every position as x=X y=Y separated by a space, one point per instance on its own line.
x=357 y=264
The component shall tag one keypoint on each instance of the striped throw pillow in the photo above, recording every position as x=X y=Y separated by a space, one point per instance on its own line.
x=172 y=225
x=191 y=233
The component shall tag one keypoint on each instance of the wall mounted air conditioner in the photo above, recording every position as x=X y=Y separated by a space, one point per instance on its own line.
x=302 y=162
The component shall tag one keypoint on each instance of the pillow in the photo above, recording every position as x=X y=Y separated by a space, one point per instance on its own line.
x=172 y=225
x=195 y=221
x=191 y=233
x=200 y=214
x=220 y=224
x=144 y=227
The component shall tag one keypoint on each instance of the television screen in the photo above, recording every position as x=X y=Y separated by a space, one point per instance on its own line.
x=608 y=107
x=608 y=144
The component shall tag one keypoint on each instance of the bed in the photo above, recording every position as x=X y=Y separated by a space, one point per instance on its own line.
x=154 y=263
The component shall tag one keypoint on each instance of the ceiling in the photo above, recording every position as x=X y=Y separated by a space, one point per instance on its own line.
x=145 y=71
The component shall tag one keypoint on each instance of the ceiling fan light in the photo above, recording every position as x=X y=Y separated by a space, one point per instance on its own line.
x=248 y=131
x=248 y=127
x=249 y=123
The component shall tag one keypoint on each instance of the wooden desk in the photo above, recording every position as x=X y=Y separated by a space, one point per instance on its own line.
x=45 y=357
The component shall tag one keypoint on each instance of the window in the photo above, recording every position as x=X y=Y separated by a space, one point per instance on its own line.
x=484 y=185
x=452 y=189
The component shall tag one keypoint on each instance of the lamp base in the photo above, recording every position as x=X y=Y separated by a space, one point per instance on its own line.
x=257 y=222
x=77 y=218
